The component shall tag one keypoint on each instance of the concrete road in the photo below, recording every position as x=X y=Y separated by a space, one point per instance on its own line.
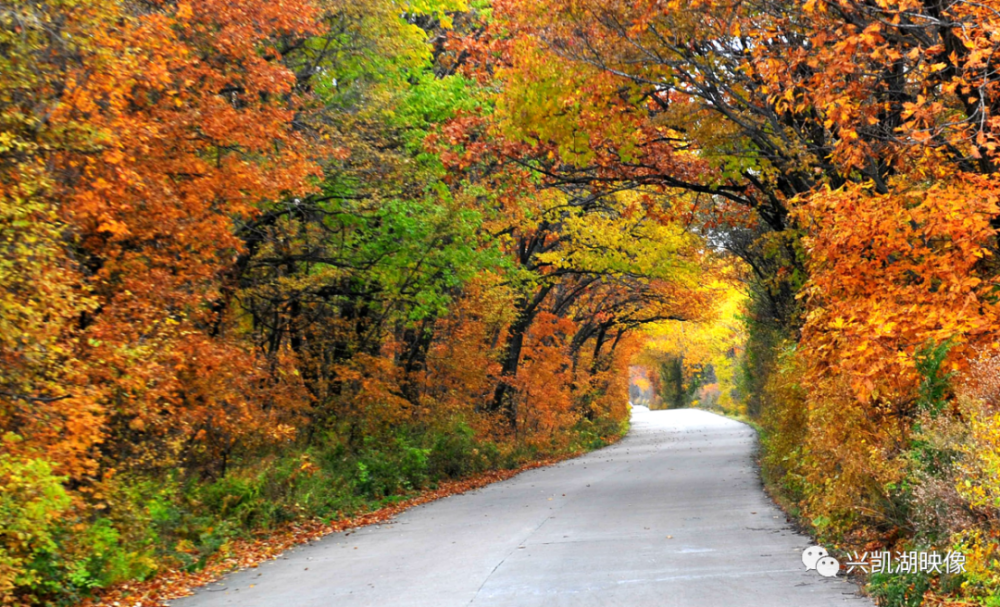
x=672 y=516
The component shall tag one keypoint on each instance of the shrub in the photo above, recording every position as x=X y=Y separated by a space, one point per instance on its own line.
x=391 y=468
x=457 y=453
x=898 y=590
x=33 y=504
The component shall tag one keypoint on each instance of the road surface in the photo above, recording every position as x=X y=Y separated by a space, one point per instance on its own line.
x=673 y=515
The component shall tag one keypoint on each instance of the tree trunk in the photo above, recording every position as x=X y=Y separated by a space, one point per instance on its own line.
x=503 y=394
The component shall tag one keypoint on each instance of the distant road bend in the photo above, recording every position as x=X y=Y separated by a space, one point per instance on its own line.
x=673 y=515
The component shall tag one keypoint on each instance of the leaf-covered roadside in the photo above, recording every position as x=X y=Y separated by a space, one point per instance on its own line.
x=250 y=553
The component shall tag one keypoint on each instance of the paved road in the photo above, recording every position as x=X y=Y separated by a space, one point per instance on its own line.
x=672 y=516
